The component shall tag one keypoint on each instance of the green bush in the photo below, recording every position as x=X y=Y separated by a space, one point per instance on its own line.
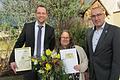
x=78 y=32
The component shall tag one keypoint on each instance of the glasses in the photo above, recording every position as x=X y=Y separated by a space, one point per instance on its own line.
x=65 y=37
x=97 y=15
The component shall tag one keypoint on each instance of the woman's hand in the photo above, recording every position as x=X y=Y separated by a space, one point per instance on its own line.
x=77 y=67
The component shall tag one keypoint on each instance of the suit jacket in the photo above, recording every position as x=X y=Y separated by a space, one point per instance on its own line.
x=104 y=63
x=27 y=38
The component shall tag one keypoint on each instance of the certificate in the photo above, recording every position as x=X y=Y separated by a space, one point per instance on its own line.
x=23 y=59
x=69 y=57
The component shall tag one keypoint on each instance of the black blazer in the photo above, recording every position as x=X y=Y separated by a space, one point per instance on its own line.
x=104 y=63
x=27 y=38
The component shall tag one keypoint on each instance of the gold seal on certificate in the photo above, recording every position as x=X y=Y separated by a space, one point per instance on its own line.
x=69 y=57
x=23 y=58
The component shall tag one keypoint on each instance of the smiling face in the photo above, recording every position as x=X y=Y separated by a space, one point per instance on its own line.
x=98 y=16
x=41 y=14
x=65 y=39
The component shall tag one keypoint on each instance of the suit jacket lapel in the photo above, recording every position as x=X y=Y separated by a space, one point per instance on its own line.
x=100 y=42
x=90 y=40
x=46 y=35
x=33 y=34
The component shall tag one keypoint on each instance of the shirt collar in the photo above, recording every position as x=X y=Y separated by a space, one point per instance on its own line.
x=102 y=27
x=40 y=25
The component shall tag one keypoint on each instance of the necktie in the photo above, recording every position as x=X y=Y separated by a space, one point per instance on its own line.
x=39 y=41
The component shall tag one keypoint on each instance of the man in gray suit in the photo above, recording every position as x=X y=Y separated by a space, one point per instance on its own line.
x=103 y=47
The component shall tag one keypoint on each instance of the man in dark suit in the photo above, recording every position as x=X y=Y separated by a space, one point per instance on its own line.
x=103 y=47
x=29 y=36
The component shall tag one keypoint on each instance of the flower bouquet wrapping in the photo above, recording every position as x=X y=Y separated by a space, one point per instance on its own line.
x=50 y=66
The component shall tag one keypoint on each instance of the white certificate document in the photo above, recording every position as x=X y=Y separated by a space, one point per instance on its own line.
x=23 y=58
x=69 y=57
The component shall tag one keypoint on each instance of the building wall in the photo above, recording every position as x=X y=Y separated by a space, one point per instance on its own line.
x=114 y=19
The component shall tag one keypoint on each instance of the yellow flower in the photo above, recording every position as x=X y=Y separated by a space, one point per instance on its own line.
x=40 y=63
x=48 y=66
x=58 y=56
x=33 y=60
x=43 y=58
x=48 y=52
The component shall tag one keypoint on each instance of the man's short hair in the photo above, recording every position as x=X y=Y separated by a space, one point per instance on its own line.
x=40 y=6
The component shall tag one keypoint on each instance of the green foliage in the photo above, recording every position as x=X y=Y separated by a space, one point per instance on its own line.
x=4 y=27
x=62 y=13
x=17 y=12
x=78 y=32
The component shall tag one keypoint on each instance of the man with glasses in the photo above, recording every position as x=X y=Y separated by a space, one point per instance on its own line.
x=103 y=47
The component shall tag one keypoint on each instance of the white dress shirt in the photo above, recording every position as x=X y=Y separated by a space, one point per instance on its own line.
x=42 y=38
x=96 y=37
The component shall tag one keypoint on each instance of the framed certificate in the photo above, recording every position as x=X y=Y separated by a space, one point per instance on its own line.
x=69 y=57
x=23 y=58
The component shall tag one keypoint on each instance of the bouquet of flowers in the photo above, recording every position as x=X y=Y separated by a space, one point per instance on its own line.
x=50 y=66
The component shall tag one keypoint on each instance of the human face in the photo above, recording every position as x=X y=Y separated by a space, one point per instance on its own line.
x=41 y=15
x=65 y=39
x=98 y=17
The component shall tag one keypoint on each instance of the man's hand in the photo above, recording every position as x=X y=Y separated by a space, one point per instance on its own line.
x=13 y=66
x=77 y=67
x=86 y=74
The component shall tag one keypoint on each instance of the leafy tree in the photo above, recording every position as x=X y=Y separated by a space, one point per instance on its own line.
x=78 y=32
x=17 y=12
x=62 y=13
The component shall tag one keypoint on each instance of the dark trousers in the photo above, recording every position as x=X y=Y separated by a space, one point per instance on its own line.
x=28 y=75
